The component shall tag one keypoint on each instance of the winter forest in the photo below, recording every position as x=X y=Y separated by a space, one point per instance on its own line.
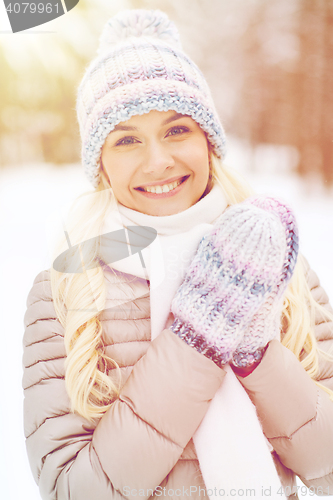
x=269 y=64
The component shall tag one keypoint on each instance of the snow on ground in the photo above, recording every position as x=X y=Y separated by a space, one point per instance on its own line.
x=27 y=198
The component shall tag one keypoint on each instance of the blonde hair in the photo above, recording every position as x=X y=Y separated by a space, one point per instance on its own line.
x=80 y=297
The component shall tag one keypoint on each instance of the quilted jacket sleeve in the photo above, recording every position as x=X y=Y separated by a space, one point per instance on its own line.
x=137 y=442
x=296 y=415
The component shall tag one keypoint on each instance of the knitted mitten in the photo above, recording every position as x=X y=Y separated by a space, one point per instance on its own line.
x=236 y=281
x=266 y=323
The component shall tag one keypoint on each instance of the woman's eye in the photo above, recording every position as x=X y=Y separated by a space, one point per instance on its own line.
x=125 y=141
x=178 y=130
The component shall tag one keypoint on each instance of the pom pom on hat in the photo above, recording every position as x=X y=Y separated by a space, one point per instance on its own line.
x=138 y=23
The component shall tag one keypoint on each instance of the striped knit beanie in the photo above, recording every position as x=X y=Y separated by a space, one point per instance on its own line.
x=140 y=67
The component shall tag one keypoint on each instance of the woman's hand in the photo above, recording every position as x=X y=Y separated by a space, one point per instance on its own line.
x=229 y=305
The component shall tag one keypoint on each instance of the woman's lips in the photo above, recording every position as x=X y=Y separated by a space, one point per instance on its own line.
x=173 y=192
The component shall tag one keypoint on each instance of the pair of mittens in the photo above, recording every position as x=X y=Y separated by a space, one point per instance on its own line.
x=230 y=302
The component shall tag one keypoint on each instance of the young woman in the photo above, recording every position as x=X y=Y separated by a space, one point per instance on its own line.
x=175 y=348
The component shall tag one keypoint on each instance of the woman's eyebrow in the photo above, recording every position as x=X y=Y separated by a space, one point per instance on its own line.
x=122 y=127
x=174 y=117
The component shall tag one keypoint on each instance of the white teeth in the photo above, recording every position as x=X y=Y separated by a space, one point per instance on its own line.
x=162 y=189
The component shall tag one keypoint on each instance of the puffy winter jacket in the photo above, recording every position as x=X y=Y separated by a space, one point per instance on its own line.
x=142 y=446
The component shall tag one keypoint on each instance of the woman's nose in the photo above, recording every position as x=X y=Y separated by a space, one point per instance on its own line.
x=157 y=158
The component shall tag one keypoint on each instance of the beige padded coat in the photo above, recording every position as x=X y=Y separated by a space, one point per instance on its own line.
x=143 y=442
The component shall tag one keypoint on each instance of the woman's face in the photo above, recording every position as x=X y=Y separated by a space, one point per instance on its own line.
x=157 y=163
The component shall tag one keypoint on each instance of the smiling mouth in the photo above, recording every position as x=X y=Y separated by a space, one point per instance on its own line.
x=163 y=188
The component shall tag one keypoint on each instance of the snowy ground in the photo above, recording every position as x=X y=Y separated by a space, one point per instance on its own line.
x=27 y=198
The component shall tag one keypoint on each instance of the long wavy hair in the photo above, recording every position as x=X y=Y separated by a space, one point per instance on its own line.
x=79 y=298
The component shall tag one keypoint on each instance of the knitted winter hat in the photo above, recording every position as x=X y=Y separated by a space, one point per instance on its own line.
x=140 y=67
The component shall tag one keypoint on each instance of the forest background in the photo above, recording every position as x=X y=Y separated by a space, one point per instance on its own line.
x=269 y=64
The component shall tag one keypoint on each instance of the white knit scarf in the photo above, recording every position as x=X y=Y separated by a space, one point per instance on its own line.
x=233 y=453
